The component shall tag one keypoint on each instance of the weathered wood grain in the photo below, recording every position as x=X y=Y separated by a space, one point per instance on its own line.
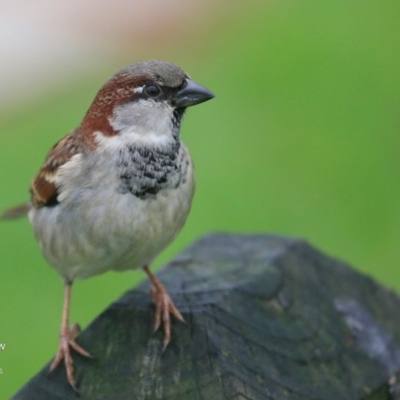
x=267 y=318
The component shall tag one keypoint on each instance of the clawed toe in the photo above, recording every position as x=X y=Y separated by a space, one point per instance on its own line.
x=164 y=307
x=67 y=342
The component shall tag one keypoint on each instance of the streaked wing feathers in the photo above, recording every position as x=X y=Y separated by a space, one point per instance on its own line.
x=44 y=191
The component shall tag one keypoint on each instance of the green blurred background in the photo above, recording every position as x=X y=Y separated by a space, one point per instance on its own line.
x=301 y=140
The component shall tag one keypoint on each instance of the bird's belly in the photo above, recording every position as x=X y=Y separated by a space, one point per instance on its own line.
x=105 y=232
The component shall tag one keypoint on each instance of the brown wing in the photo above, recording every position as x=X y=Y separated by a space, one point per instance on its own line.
x=43 y=189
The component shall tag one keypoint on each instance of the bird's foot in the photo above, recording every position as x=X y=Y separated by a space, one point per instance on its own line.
x=67 y=342
x=164 y=307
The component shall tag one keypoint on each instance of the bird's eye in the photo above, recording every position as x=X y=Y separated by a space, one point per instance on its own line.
x=152 y=90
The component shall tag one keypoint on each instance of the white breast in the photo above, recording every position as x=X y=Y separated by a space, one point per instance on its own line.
x=95 y=228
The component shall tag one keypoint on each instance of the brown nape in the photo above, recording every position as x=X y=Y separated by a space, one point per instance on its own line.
x=118 y=90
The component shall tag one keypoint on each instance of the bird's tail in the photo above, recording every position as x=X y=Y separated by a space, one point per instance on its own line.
x=16 y=212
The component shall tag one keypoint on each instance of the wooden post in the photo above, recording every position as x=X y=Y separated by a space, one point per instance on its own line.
x=268 y=318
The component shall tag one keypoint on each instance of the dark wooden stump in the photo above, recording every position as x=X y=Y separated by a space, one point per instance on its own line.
x=267 y=318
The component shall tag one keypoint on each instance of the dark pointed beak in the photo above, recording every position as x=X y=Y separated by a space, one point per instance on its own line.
x=191 y=94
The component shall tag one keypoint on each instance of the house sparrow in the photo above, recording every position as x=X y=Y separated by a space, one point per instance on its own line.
x=114 y=192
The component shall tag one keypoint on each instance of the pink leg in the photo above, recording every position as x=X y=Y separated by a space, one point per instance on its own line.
x=67 y=341
x=164 y=307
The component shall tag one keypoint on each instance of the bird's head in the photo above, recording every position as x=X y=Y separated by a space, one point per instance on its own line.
x=143 y=104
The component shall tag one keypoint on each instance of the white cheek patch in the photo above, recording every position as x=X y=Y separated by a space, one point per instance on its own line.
x=141 y=122
x=112 y=144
